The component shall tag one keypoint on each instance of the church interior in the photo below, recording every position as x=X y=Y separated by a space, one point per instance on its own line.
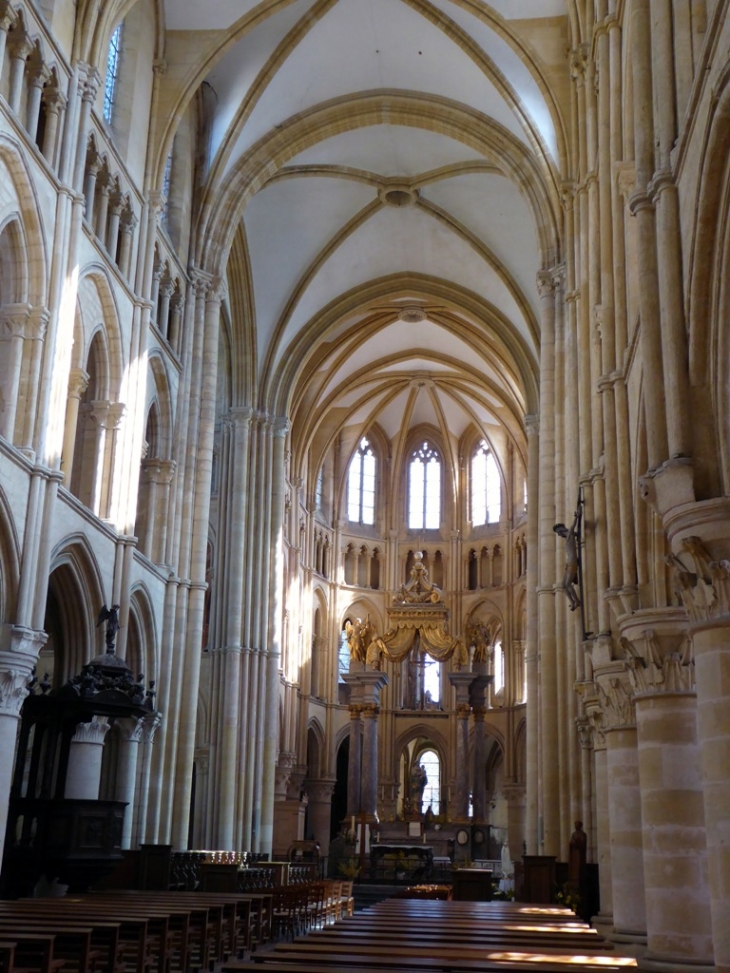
x=365 y=438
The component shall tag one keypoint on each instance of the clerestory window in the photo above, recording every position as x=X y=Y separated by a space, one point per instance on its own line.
x=486 y=487
x=361 y=485
x=112 y=71
x=424 y=488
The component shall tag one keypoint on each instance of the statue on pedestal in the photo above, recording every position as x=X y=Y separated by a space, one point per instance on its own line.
x=419 y=779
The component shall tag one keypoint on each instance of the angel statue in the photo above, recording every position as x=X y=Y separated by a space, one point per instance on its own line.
x=111 y=617
x=359 y=636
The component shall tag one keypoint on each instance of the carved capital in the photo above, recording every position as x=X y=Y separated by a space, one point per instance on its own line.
x=13 y=690
x=131 y=729
x=701 y=582
x=13 y=320
x=92 y=732
x=615 y=688
x=8 y=16
x=660 y=662
x=545 y=284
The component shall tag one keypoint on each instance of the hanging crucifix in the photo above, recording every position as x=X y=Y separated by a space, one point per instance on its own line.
x=572 y=573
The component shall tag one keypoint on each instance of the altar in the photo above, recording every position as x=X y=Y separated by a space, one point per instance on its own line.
x=399 y=862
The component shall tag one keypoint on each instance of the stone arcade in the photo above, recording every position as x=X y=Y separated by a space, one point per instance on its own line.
x=298 y=295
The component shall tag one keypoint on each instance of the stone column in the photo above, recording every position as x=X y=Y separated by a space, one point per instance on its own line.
x=104 y=185
x=354 y=767
x=19 y=47
x=94 y=162
x=531 y=648
x=642 y=208
x=55 y=103
x=461 y=681
x=700 y=537
x=19 y=648
x=35 y=335
x=477 y=699
x=128 y=221
x=166 y=291
x=369 y=788
x=84 y=760
x=130 y=734
x=7 y=18
x=679 y=928
x=12 y=335
x=624 y=805
x=320 y=811
x=177 y=302
x=37 y=74
x=78 y=382
x=515 y=794
x=602 y=839
x=116 y=205
x=150 y=724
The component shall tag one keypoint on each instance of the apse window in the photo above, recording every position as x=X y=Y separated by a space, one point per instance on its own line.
x=343 y=656
x=498 y=667
x=424 y=488
x=430 y=762
x=112 y=72
x=361 y=485
x=486 y=487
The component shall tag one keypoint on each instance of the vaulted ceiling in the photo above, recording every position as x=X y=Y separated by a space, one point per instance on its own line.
x=386 y=175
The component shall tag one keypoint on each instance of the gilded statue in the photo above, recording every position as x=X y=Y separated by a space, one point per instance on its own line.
x=359 y=636
x=477 y=634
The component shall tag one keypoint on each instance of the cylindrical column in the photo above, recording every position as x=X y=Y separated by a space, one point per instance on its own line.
x=13 y=319
x=19 y=47
x=479 y=780
x=531 y=648
x=37 y=75
x=84 y=760
x=130 y=735
x=55 y=103
x=624 y=811
x=369 y=791
x=7 y=19
x=603 y=831
x=150 y=723
x=678 y=922
x=461 y=796
x=104 y=185
x=116 y=203
x=128 y=223
x=354 y=767
x=320 y=812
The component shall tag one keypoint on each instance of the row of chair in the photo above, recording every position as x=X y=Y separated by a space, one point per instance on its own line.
x=296 y=909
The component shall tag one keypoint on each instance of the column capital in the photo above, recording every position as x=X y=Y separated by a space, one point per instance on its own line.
x=156 y=200
x=13 y=319
x=8 y=15
x=281 y=426
x=370 y=710
x=131 y=728
x=89 y=82
x=19 y=44
x=53 y=98
x=532 y=424
x=93 y=731
x=545 y=284
x=701 y=580
x=615 y=688
x=660 y=661
x=38 y=319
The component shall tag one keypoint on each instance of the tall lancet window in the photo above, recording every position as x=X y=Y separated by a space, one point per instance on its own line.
x=486 y=487
x=424 y=488
x=361 y=485
x=112 y=71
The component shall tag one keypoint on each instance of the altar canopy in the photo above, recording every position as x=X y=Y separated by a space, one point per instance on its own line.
x=418 y=618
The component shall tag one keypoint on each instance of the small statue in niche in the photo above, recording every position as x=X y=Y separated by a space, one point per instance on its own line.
x=570 y=575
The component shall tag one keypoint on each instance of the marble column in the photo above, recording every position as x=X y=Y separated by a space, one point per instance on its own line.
x=150 y=725
x=369 y=788
x=130 y=731
x=84 y=760
x=36 y=75
x=55 y=105
x=19 y=47
x=354 y=767
x=461 y=681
